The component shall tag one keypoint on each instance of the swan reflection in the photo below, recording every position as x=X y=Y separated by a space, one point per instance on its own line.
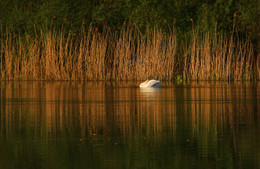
x=150 y=92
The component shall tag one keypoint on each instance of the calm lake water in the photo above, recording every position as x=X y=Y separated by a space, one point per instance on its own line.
x=116 y=125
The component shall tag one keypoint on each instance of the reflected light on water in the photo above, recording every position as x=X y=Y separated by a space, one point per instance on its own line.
x=117 y=124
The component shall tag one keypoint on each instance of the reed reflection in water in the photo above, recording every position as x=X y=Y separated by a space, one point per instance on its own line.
x=118 y=125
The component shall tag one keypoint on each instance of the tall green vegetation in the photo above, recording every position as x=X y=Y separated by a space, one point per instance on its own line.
x=28 y=15
x=54 y=39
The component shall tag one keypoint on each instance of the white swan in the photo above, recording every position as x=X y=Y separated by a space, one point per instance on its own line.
x=151 y=83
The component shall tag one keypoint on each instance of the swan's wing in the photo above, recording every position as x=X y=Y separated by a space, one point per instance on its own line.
x=154 y=83
x=158 y=84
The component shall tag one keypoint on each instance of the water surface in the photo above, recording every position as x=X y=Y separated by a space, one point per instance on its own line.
x=65 y=125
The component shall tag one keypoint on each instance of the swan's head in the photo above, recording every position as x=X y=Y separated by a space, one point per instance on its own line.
x=144 y=83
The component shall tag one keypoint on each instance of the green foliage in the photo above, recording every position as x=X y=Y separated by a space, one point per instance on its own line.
x=184 y=15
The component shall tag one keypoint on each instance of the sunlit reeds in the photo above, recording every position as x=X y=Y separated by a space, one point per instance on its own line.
x=219 y=58
x=126 y=55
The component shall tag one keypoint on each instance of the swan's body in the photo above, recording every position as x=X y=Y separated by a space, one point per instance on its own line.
x=151 y=83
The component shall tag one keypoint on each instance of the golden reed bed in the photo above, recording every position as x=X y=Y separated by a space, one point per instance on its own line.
x=127 y=55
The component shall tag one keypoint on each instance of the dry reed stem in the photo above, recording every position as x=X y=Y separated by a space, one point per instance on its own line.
x=258 y=66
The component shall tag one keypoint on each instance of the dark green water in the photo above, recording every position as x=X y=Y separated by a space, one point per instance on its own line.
x=109 y=125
